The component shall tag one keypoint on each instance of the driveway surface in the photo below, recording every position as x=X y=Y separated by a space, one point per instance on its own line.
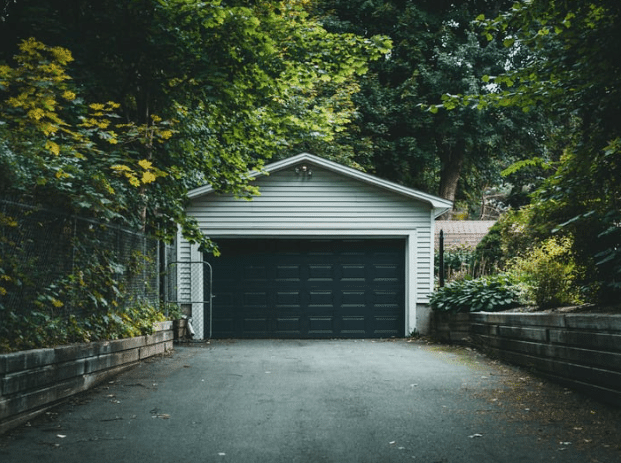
x=304 y=401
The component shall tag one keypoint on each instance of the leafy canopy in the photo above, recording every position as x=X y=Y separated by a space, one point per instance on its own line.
x=207 y=92
x=573 y=77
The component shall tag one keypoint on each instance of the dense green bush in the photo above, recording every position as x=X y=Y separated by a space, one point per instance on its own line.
x=490 y=294
x=39 y=329
x=549 y=273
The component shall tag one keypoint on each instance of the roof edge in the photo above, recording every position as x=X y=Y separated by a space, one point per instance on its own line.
x=439 y=205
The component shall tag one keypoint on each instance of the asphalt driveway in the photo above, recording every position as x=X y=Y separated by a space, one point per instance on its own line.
x=302 y=401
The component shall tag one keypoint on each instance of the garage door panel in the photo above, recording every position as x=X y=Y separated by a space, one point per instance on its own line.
x=355 y=272
x=353 y=325
x=256 y=326
x=354 y=299
x=386 y=273
x=255 y=300
x=385 y=326
x=321 y=325
x=255 y=272
x=289 y=272
x=288 y=325
x=290 y=299
x=309 y=288
x=225 y=327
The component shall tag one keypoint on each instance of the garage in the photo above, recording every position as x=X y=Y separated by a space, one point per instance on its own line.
x=323 y=251
x=317 y=288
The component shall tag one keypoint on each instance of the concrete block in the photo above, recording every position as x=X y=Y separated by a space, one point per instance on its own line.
x=598 y=359
x=587 y=374
x=459 y=336
x=108 y=361
x=118 y=345
x=164 y=326
x=520 y=332
x=159 y=336
x=594 y=322
x=28 y=380
x=35 y=399
x=17 y=361
x=152 y=349
x=480 y=328
x=524 y=319
x=587 y=340
x=74 y=352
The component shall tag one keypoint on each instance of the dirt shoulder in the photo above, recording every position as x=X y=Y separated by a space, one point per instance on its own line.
x=549 y=410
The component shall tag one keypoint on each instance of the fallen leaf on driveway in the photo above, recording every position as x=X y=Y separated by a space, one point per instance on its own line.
x=475 y=435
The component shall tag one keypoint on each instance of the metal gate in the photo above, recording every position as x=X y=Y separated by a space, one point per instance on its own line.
x=189 y=285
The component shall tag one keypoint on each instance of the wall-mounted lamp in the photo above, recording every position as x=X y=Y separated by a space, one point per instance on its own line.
x=303 y=171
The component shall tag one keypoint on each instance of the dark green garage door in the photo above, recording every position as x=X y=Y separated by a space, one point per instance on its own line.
x=309 y=288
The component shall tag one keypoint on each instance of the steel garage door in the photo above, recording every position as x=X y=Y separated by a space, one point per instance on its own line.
x=309 y=288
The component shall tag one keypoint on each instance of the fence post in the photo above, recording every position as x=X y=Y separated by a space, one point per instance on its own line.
x=441 y=258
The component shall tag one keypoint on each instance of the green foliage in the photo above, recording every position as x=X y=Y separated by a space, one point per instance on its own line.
x=62 y=151
x=455 y=154
x=40 y=329
x=232 y=84
x=462 y=262
x=570 y=77
x=549 y=273
x=489 y=249
x=65 y=280
x=489 y=294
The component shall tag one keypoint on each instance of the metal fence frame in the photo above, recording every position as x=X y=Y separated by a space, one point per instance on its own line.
x=185 y=286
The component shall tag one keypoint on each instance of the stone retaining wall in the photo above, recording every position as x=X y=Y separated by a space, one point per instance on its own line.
x=579 y=350
x=31 y=381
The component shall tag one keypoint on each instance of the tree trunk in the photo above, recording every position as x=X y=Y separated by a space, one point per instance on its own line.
x=452 y=160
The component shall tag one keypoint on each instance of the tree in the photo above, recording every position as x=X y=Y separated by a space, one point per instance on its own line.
x=574 y=78
x=234 y=82
x=57 y=146
x=456 y=154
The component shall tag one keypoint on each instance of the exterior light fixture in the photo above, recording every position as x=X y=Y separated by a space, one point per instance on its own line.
x=303 y=171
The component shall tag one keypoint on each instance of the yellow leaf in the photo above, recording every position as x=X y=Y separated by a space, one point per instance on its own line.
x=69 y=96
x=145 y=164
x=52 y=147
x=148 y=177
x=36 y=114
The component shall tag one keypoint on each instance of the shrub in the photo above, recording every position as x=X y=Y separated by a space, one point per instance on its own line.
x=549 y=273
x=490 y=293
x=461 y=262
x=39 y=329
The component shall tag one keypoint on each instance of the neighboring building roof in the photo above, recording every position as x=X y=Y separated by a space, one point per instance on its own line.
x=439 y=205
x=462 y=232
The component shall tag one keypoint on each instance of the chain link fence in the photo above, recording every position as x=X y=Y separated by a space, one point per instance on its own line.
x=189 y=286
x=64 y=265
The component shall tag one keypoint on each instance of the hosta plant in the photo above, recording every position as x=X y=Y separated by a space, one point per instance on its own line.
x=489 y=294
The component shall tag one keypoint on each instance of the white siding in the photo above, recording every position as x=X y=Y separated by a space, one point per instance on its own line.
x=327 y=204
